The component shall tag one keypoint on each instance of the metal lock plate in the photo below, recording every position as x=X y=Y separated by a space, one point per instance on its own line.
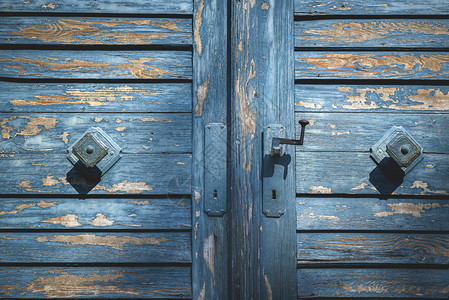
x=94 y=153
x=400 y=146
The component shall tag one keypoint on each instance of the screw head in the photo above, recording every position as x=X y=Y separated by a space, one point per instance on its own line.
x=89 y=149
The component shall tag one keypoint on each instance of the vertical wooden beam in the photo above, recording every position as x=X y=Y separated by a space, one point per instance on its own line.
x=246 y=154
x=278 y=235
x=210 y=90
x=263 y=248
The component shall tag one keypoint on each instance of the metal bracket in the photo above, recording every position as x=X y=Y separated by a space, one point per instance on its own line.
x=94 y=153
x=273 y=186
x=215 y=170
x=397 y=147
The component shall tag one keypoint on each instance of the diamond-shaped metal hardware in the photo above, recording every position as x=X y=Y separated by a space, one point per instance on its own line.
x=94 y=152
x=403 y=149
x=90 y=150
x=397 y=144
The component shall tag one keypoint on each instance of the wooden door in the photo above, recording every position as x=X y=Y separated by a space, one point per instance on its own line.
x=360 y=68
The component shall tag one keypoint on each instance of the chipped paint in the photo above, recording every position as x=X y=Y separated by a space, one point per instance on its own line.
x=137 y=68
x=26 y=184
x=268 y=287
x=202 y=295
x=405 y=208
x=63 y=136
x=113 y=241
x=201 y=95
x=68 y=220
x=144 y=202
x=127 y=187
x=331 y=218
x=66 y=285
x=49 y=5
x=340 y=132
x=321 y=189
x=422 y=185
x=360 y=187
x=265 y=6
x=6 y=129
x=356 y=32
x=98 y=119
x=154 y=120
x=70 y=31
x=368 y=65
x=196 y=196
x=209 y=254
x=101 y=220
x=49 y=181
x=196 y=31
x=387 y=97
x=309 y=104
x=120 y=128
x=33 y=125
x=19 y=208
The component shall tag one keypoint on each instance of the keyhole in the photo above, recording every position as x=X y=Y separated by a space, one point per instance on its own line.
x=215 y=195
x=273 y=194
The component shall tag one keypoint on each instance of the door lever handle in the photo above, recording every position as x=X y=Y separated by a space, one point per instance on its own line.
x=276 y=148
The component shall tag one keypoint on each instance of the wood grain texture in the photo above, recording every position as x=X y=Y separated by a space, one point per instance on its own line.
x=106 y=97
x=373 y=7
x=95 y=31
x=66 y=213
x=372 y=214
x=402 y=33
x=211 y=234
x=168 y=247
x=356 y=173
x=133 y=174
x=398 y=283
x=108 y=6
x=136 y=133
x=372 y=248
x=95 y=64
x=372 y=98
x=369 y=65
x=275 y=76
x=358 y=132
x=98 y=282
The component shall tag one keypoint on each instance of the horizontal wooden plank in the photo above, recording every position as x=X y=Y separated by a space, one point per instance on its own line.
x=105 y=97
x=373 y=248
x=66 y=213
x=372 y=98
x=398 y=33
x=98 y=282
x=356 y=173
x=370 y=65
x=95 y=64
x=165 y=247
x=134 y=133
x=95 y=31
x=397 y=283
x=110 y=6
x=373 y=7
x=371 y=214
x=132 y=174
x=359 y=132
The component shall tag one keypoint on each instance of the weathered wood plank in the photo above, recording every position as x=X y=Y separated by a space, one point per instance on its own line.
x=96 y=64
x=358 y=132
x=105 y=97
x=398 y=33
x=410 y=283
x=380 y=248
x=372 y=214
x=48 y=247
x=94 y=31
x=109 y=6
x=356 y=173
x=373 y=7
x=211 y=80
x=98 y=282
x=65 y=213
x=372 y=98
x=133 y=174
x=136 y=133
x=369 y=65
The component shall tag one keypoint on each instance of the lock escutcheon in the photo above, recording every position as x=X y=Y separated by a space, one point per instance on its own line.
x=90 y=150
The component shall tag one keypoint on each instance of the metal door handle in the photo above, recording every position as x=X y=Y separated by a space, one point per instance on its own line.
x=276 y=142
